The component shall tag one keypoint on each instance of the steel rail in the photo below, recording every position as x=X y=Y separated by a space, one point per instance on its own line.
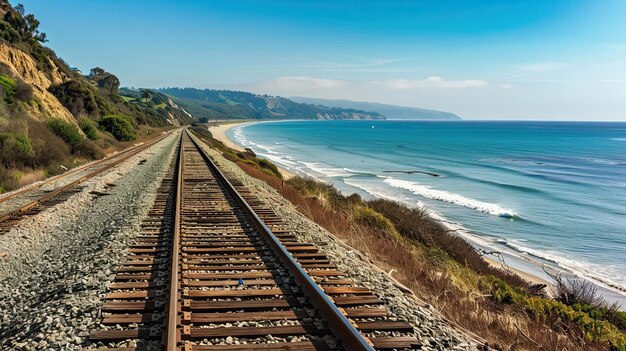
x=349 y=337
x=173 y=333
x=30 y=188
x=5 y=216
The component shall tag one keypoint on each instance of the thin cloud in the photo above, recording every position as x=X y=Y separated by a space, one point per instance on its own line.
x=542 y=66
x=366 y=65
x=372 y=70
x=431 y=82
x=306 y=83
x=299 y=82
x=362 y=63
x=611 y=81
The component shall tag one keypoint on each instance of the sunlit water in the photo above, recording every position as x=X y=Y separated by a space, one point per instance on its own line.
x=551 y=192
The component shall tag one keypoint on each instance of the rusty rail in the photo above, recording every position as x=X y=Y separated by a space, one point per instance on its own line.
x=173 y=334
x=231 y=261
x=124 y=156
x=348 y=335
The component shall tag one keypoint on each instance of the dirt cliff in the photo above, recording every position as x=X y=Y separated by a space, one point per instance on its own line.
x=23 y=66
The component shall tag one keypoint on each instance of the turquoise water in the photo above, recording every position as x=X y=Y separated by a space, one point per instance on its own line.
x=549 y=192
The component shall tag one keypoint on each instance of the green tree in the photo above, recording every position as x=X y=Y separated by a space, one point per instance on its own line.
x=20 y=9
x=146 y=94
x=119 y=126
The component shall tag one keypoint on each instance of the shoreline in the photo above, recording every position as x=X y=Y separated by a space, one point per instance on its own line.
x=530 y=270
x=219 y=133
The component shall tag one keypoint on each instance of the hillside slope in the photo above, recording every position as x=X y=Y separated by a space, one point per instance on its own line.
x=52 y=117
x=389 y=111
x=228 y=104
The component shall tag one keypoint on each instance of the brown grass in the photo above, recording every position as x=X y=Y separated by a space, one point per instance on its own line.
x=418 y=225
x=31 y=177
x=424 y=267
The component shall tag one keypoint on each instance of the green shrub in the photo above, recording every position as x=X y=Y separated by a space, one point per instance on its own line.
x=588 y=318
x=67 y=131
x=270 y=167
x=89 y=127
x=8 y=84
x=369 y=217
x=119 y=126
x=24 y=144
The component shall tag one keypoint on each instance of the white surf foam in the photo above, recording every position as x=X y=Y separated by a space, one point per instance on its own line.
x=280 y=160
x=326 y=170
x=456 y=199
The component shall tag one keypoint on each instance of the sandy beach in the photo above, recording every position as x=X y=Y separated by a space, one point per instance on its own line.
x=219 y=133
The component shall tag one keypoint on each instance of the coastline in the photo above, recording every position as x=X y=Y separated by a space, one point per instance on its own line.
x=531 y=270
x=219 y=132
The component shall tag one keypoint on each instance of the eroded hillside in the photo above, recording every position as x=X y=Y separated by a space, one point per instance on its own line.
x=52 y=117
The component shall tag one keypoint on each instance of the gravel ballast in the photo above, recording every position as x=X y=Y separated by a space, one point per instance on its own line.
x=432 y=331
x=55 y=266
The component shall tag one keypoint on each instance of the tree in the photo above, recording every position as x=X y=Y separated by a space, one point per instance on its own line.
x=146 y=94
x=20 y=9
x=32 y=26
x=104 y=79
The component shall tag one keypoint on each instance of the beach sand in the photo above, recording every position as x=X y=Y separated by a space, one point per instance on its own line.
x=219 y=133
x=525 y=275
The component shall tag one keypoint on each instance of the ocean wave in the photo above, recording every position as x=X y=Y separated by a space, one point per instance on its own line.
x=456 y=199
x=266 y=148
x=333 y=172
x=374 y=191
x=618 y=139
x=360 y=173
x=603 y=161
x=326 y=170
x=280 y=160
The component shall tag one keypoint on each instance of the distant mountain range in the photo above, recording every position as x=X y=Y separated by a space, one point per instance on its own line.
x=388 y=111
x=207 y=104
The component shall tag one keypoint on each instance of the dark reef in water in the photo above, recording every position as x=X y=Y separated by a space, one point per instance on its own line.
x=413 y=172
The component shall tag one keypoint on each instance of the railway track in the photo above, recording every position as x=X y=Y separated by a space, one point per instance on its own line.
x=213 y=268
x=36 y=198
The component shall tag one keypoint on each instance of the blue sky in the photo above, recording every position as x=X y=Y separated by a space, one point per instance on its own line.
x=491 y=59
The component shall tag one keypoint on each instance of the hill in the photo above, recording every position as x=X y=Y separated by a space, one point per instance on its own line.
x=210 y=104
x=51 y=116
x=389 y=111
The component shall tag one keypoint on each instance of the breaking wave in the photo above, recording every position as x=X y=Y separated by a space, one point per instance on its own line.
x=456 y=199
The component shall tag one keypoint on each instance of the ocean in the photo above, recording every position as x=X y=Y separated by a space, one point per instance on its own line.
x=548 y=193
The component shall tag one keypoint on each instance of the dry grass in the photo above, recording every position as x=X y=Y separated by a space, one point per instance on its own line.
x=31 y=177
x=434 y=274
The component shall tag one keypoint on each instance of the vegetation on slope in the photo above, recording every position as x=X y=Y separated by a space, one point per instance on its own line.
x=53 y=118
x=154 y=103
x=450 y=274
x=228 y=104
